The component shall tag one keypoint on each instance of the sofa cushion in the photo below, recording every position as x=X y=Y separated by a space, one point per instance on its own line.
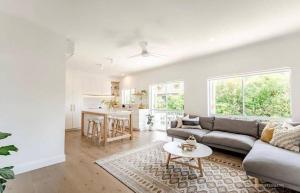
x=188 y=122
x=232 y=140
x=185 y=133
x=205 y=122
x=272 y=162
x=262 y=125
x=236 y=126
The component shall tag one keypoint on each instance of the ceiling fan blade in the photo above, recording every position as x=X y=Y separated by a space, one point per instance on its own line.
x=157 y=55
x=134 y=56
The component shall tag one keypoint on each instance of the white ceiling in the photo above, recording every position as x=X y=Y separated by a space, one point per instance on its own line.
x=179 y=29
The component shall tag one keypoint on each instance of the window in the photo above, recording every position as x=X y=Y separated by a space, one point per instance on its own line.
x=128 y=96
x=166 y=103
x=264 y=95
x=167 y=96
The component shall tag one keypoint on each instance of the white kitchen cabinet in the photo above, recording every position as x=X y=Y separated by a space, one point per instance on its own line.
x=73 y=102
x=139 y=119
x=78 y=85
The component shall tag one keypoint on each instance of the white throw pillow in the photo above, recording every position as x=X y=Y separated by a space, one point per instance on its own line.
x=192 y=123
x=287 y=137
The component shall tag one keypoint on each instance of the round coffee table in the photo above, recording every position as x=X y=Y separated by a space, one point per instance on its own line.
x=174 y=149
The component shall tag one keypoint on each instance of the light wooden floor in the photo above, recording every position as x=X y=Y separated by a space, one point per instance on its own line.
x=79 y=174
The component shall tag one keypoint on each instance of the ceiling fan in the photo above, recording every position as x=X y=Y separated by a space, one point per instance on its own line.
x=145 y=52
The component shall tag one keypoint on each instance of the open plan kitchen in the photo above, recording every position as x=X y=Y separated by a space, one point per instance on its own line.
x=96 y=105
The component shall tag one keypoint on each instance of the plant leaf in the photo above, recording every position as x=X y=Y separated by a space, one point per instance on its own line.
x=2 y=188
x=4 y=135
x=2 y=181
x=5 y=150
x=7 y=173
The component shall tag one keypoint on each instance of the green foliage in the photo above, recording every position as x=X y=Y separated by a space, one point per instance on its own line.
x=266 y=95
x=175 y=102
x=5 y=150
x=4 y=135
x=229 y=98
x=170 y=102
x=6 y=173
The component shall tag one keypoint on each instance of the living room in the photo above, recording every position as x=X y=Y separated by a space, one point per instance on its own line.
x=150 y=96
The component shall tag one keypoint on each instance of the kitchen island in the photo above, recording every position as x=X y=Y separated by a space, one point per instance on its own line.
x=104 y=137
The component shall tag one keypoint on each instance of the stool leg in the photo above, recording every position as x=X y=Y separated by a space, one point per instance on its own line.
x=90 y=125
x=123 y=127
x=99 y=132
x=93 y=131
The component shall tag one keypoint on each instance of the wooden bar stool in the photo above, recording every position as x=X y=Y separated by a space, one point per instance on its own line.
x=121 y=124
x=94 y=129
x=114 y=123
x=89 y=132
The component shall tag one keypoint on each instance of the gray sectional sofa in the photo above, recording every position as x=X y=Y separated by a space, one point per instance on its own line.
x=264 y=161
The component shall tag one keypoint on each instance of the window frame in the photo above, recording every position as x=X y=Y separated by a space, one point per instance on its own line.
x=131 y=94
x=243 y=76
x=152 y=100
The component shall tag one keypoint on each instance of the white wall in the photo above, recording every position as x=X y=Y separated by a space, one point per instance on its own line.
x=271 y=54
x=32 y=91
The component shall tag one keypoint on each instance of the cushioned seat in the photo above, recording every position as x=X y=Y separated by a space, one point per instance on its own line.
x=230 y=141
x=273 y=164
x=185 y=133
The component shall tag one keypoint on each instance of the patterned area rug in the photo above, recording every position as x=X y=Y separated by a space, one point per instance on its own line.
x=144 y=171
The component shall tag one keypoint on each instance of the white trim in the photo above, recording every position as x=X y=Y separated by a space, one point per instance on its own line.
x=29 y=166
x=277 y=70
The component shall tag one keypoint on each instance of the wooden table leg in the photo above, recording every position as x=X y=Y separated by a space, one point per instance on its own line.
x=82 y=124
x=168 y=159
x=200 y=167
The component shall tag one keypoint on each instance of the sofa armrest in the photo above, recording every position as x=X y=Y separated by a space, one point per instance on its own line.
x=173 y=124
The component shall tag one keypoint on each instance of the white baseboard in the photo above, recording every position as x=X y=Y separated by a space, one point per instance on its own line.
x=26 y=167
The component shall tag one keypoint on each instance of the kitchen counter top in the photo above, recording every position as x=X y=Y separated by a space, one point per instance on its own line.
x=107 y=111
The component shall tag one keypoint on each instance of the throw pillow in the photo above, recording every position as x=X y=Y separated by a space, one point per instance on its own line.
x=267 y=133
x=191 y=122
x=179 y=122
x=287 y=137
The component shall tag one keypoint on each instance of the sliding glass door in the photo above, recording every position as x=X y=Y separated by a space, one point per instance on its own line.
x=166 y=103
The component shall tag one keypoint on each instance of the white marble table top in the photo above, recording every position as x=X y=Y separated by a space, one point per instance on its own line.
x=175 y=149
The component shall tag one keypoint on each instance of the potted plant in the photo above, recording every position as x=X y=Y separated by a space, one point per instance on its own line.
x=150 y=121
x=6 y=173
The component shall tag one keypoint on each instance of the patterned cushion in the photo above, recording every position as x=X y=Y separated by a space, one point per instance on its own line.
x=188 y=122
x=287 y=137
x=179 y=122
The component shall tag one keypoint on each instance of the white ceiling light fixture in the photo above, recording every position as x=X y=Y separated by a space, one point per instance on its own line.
x=110 y=60
x=70 y=48
x=100 y=66
x=145 y=52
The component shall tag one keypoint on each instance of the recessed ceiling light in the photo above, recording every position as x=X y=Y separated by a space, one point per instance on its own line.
x=212 y=39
